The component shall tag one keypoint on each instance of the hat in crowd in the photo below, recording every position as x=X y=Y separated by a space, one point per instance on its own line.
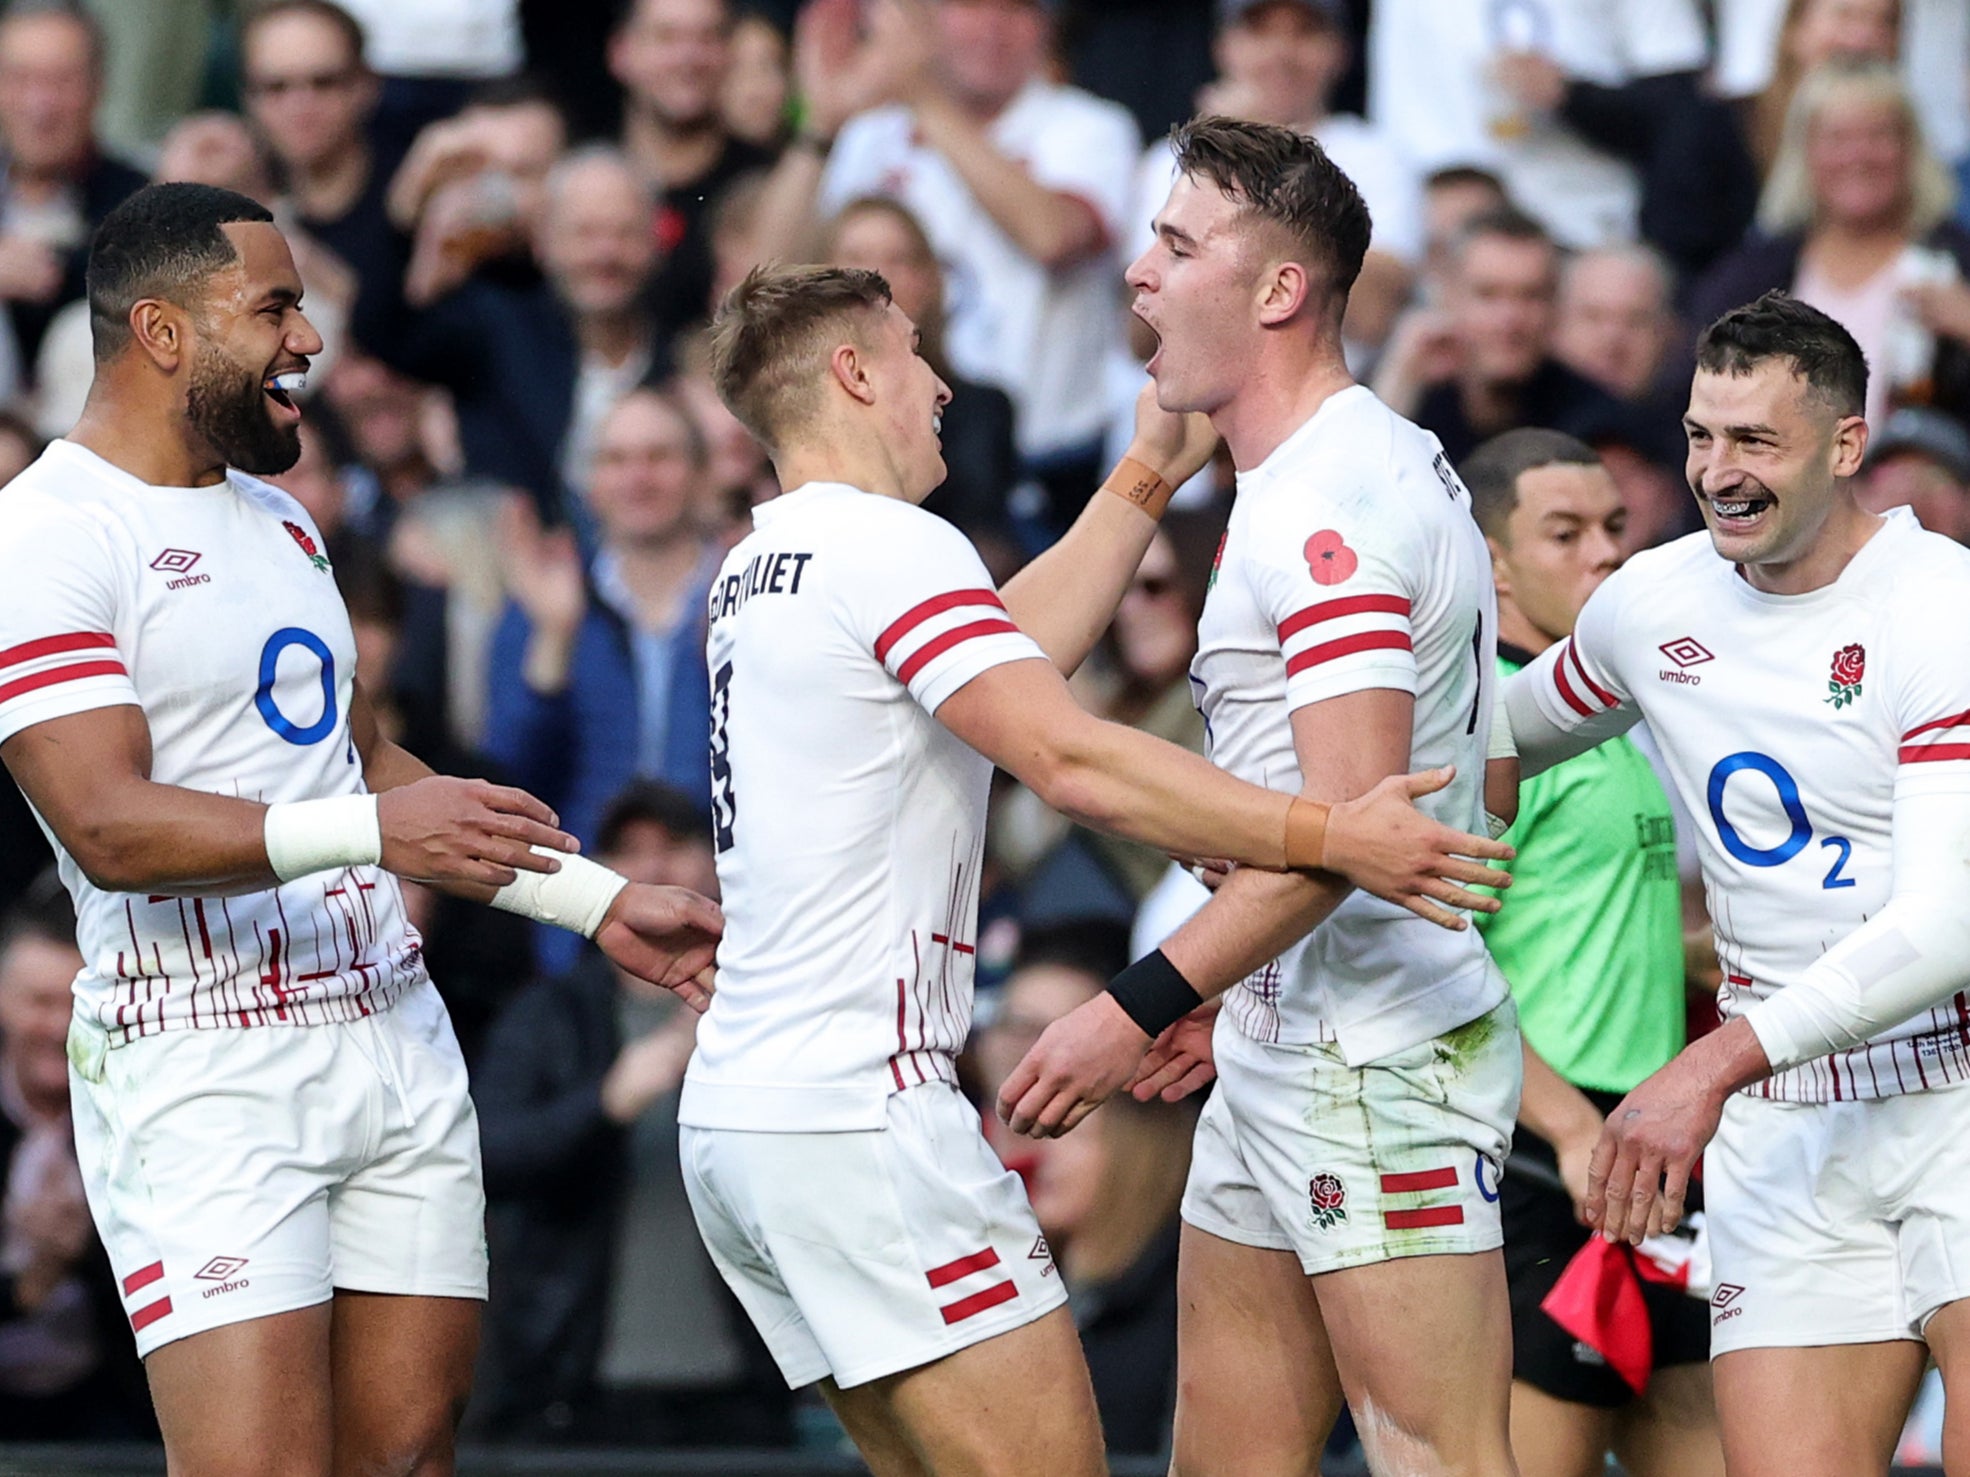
x=1334 y=12
x=1925 y=432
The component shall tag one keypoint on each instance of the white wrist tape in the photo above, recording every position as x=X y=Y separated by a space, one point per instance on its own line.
x=1501 y=745
x=575 y=898
x=305 y=836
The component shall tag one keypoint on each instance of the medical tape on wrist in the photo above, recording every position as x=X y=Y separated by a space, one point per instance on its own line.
x=575 y=898
x=307 y=836
x=1306 y=834
x=1141 y=484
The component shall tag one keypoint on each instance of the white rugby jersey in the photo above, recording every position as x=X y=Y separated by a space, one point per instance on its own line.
x=849 y=823
x=1788 y=723
x=213 y=610
x=1352 y=562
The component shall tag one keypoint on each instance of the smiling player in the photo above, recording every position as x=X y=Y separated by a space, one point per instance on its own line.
x=270 y=1107
x=1810 y=690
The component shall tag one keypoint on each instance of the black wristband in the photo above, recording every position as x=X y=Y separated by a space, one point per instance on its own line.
x=1153 y=994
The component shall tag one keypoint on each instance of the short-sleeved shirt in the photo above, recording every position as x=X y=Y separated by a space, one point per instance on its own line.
x=1591 y=937
x=1042 y=334
x=849 y=824
x=1791 y=724
x=213 y=610
x=1352 y=562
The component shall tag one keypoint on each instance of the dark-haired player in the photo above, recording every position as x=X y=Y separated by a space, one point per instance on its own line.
x=270 y=1107
x=1341 y=1226
x=865 y=678
x=1810 y=690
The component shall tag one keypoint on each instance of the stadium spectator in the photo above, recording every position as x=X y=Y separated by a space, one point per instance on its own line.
x=1766 y=48
x=977 y=430
x=1278 y=62
x=1523 y=87
x=445 y=547
x=1921 y=460
x=1484 y=363
x=607 y=1321
x=1593 y=947
x=66 y=1366
x=738 y=476
x=758 y=84
x=384 y=415
x=1616 y=321
x=673 y=59
x=57 y=183
x=1855 y=222
x=1453 y=197
x=1021 y=182
x=1105 y=1195
x=598 y=674
x=433 y=56
x=311 y=98
x=533 y=367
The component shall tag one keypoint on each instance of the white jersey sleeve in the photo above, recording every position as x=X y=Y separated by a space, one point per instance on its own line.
x=1573 y=696
x=932 y=618
x=58 y=641
x=1336 y=586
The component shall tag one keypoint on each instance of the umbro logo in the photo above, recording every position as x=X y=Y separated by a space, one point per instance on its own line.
x=179 y=562
x=1722 y=1299
x=220 y=1268
x=1685 y=652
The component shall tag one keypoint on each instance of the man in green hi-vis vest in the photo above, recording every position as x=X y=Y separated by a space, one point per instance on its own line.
x=1592 y=945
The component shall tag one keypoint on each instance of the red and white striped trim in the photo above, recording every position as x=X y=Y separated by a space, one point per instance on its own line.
x=49 y=660
x=1415 y=1182
x=1577 y=689
x=1344 y=627
x=927 y=630
x=150 y=1312
x=972 y=1304
x=1937 y=740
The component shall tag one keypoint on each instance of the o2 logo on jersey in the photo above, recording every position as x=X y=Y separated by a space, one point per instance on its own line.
x=1801 y=827
x=263 y=695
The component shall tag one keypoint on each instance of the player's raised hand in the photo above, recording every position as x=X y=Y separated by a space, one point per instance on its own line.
x=1382 y=844
x=446 y=829
x=1079 y=1062
x=1181 y=1060
x=665 y=935
x=1177 y=444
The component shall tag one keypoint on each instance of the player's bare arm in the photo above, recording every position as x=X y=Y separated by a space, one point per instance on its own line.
x=665 y=935
x=88 y=774
x=1067 y=596
x=1348 y=747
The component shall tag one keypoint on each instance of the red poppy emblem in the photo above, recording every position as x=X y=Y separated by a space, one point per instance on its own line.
x=1329 y=559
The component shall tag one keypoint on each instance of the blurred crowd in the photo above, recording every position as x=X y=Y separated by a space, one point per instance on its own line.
x=513 y=220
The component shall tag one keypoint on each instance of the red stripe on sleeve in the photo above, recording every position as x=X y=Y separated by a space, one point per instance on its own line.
x=27 y=651
x=1950 y=722
x=964 y=1266
x=1420 y=1179
x=71 y=673
x=1329 y=651
x=933 y=649
x=916 y=615
x=1608 y=699
x=978 y=1302
x=1328 y=610
x=1434 y=1215
x=143 y=1277
x=1914 y=754
x=1566 y=689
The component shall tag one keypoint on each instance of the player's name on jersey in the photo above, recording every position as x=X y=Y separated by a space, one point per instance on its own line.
x=764 y=574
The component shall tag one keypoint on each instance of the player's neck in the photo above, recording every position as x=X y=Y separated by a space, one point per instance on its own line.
x=1515 y=630
x=1282 y=393
x=836 y=454
x=1845 y=533
x=132 y=443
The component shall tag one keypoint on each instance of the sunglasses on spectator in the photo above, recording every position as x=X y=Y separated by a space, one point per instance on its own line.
x=306 y=82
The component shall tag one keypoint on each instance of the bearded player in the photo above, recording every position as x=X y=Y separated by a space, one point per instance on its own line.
x=1340 y=1227
x=270 y=1106
x=1805 y=667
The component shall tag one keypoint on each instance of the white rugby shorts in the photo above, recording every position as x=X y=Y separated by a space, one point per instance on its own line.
x=1837 y=1223
x=1346 y=1166
x=863 y=1254
x=238 y=1173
